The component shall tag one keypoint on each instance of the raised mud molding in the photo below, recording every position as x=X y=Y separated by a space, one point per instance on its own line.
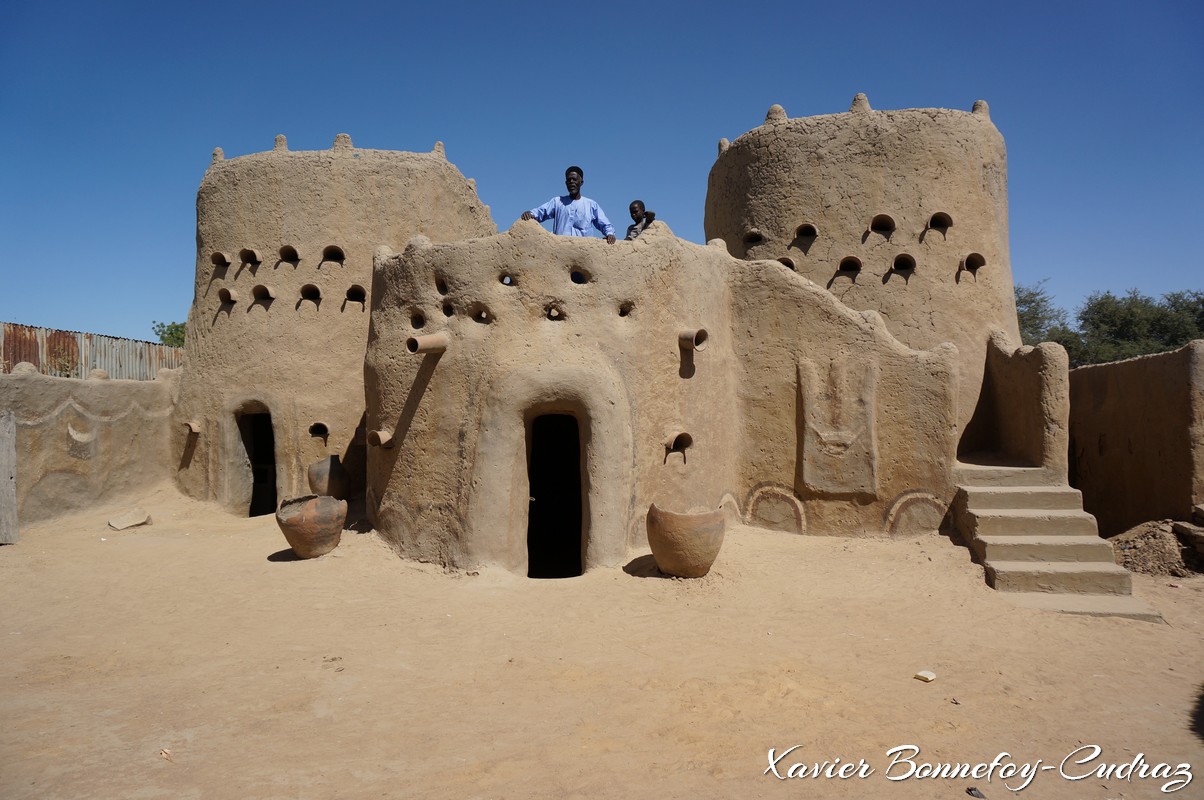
x=1037 y=544
x=839 y=455
x=8 y=478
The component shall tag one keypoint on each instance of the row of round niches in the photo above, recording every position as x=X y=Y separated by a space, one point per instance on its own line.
x=265 y=294
x=881 y=224
x=903 y=263
x=577 y=275
x=287 y=254
x=553 y=311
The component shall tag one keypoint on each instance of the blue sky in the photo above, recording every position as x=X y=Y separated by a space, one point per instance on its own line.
x=111 y=111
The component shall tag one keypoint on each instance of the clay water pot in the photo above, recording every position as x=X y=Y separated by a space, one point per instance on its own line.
x=312 y=524
x=328 y=477
x=685 y=545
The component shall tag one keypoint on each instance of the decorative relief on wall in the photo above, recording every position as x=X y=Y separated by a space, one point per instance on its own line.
x=775 y=507
x=838 y=451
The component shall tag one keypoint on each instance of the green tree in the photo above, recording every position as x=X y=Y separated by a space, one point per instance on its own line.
x=169 y=333
x=1111 y=328
x=1037 y=313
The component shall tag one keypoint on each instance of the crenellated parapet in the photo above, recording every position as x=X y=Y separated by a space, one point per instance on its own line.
x=900 y=212
x=279 y=320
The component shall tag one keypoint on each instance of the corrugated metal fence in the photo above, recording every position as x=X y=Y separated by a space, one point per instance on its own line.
x=71 y=354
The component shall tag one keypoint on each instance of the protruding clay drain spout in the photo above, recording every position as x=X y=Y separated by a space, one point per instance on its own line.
x=381 y=438
x=431 y=343
x=693 y=340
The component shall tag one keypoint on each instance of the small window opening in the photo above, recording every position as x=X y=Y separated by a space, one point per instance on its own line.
x=357 y=294
x=506 y=279
x=850 y=264
x=417 y=320
x=479 y=312
x=975 y=262
x=289 y=255
x=319 y=429
x=441 y=284
x=333 y=252
x=883 y=224
x=580 y=276
x=680 y=444
x=940 y=222
x=753 y=237
x=904 y=263
x=311 y=293
x=807 y=231
x=448 y=309
x=626 y=307
x=554 y=312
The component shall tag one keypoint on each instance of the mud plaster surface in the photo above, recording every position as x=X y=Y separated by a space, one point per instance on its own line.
x=356 y=675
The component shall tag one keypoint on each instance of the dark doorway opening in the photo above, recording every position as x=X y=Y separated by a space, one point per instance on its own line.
x=554 y=536
x=260 y=444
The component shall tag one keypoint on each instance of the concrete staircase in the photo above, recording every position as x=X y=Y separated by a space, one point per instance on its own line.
x=1038 y=544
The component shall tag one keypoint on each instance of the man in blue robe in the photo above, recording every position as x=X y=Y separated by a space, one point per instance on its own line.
x=572 y=214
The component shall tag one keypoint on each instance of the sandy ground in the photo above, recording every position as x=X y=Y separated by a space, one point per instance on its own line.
x=191 y=659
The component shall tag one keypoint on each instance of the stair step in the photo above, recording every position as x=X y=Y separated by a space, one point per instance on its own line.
x=1189 y=534
x=1093 y=605
x=1032 y=522
x=1061 y=498
x=1058 y=576
x=990 y=475
x=1042 y=548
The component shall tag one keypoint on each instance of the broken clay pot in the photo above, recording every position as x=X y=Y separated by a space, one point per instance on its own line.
x=328 y=477
x=685 y=545
x=313 y=524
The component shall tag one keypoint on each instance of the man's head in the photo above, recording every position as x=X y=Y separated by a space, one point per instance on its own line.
x=637 y=210
x=573 y=178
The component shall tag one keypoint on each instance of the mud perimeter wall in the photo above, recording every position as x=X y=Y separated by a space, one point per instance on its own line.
x=1137 y=437
x=78 y=442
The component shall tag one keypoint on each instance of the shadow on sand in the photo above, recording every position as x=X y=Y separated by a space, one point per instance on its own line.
x=644 y=567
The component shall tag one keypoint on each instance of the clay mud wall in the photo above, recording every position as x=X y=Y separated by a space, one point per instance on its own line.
x=794 y=412
x=844 y=429
x=900 y=212
x=1137 y=437
x=279 y=322
x=538 y=324
x=81 y=442
x=1022 y=417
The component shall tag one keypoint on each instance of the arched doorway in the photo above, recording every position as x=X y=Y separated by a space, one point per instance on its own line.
x=259 y=445
x=555 y=535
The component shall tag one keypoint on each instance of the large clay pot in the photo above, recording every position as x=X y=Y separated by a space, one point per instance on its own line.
x=328 y=477
x=313 y=525
x=685 y=545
